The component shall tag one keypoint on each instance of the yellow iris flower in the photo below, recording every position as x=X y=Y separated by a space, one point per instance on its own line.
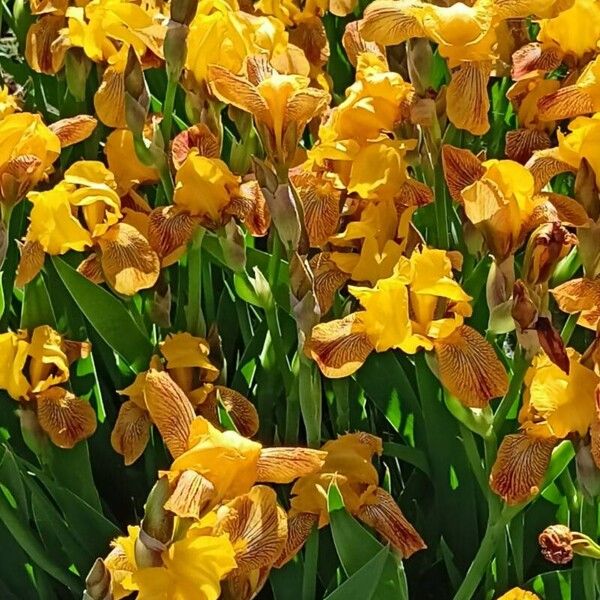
x=35 y=368
x=420 y=306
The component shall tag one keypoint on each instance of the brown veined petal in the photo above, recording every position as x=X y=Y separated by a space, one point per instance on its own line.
x=469 y=368
x=533 y=57
x=31 y=262
x=305 y=104
x=580 y=295
x=74 y=129
x=300 y=526
x=131 y=432
x=467 y=101
x=569 y=211
x=64 y=417
x=91 y=268
x=595 y=432
x=238 y=91
x=383 y=514
x=544 y=165
x=391 y=22
x=170 y=410
x=328 y=279
x=251 y=208
x=128 y=262
x=321 y=206
x=413 y=193
x=19 y=175
x=109 y=100
x=169 y=231
x=520 y=467
x=461 y=169
x=522 y=143
x=76 y=350
x=192 y=497
x=339 y=347
x=38 y=48
x=283 y=465
x=354 y=44
x=241 y=411
x=198 y=137
x=244 y=586
x=257 y=528
x=565 y=103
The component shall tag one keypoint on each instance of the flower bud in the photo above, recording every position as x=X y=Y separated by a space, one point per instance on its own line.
x=183 y=11
x=555 y=543
x=524 y=310
x=175 y=49
x=137 y=100
x=419 y=59
x=546 y=246
x=233 y=246
x=586 y=190
x=588 y=474
x=77 y=68
x=33 y=434
x=157 y=523
x=97 y=582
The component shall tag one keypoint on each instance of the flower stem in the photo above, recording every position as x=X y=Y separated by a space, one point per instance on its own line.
x=521 y=364
x=569 y=328
x=168 y=108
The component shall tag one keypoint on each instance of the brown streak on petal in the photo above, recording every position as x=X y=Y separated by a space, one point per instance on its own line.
x=354 y=44
x=339 y=347
x=469 y=368
x=40 y=38
x=74 y=129
x=170 y=229
x=328 y=279
x=543 y=165
x=386 y=23
x=251 y=208
x=522 y=143
x=64 y=417
x=131 y=432
x=461 y=169
x=128 y=262
x=170 y=410
x=580 y=295
x=384 y=515
x=192 y=496
x=533 y=57
x=109 y=100
x=241 y=411
x=91 y=268
x=520 y=467
x=198 y=137
x=565 y=103
x=30 y=264
x=300 y=526
x=552 y=344
x=467 y=100
x=283 y=465
x=569 y=211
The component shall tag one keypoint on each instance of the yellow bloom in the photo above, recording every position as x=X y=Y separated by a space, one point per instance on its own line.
x=519 y=594
x=348 y=465
x=13 y=354
x=419 y=307
x=556 y=405
x=281 y=105
x=8 y=103
x=204 y=187
x=28 y=150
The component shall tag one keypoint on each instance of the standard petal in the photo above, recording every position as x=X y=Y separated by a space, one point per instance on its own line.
x=391 y=22
x=300 y=526
x=131 y=432
x=467 y=100
x=170 y=410
x=354 y=44
x=198 y=137
x=339 y=347
x=469 y=368
x=241 y=411
x=283 y=465
x=74 y=129
x=192 y=497
x=128 y=262
x=383 y=514
x=520 y=467
x=64 y=417
x=461 y=169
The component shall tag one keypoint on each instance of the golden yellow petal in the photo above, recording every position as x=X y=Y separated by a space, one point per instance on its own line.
x=18 y=176
x=300 y=526
x=520 y=467
x=91 y=268
x=595 y=432
x=198 y=137
x=519 y=594
x=522 y=143
x=109 y=100
x=128 y=262
x=328 y=279
x=131 y=432
x=64 y=417
x=256 y=526
x=250 y=207
x=74 y=129
x=389 y=22
x=192 y=497
x=241 y=411
x=461 y=169
x=304 y=105
x=339 y=347
x=467 y=101
x=31 y=262
x=238 y=91
x=580 y=295
x=565 y=103
x=283 y=465
x=170 y=410
x=38 y=48
x=169 y=231
x=383 y=514
x=469 y=368
x=354 y=44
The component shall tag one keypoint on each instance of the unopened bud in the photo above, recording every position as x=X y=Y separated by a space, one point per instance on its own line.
x=137 y=99
x=524 y=310
x=546 y=246
x=588 y=474
x=586 y=190
x=33 y=434
x=183 y=11
x=175 y=49
x=158 y=522
x=419 y=58
x=77 y=68
x=97 y=582
x=233 y=245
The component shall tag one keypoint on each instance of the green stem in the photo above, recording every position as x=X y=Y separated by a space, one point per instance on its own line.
x=441 y=211
x=569 y=327
x=277 y=340
x=521 y=364
x=168 y=108
x=474 y=458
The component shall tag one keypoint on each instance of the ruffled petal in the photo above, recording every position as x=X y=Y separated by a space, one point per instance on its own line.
x=283 y=465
